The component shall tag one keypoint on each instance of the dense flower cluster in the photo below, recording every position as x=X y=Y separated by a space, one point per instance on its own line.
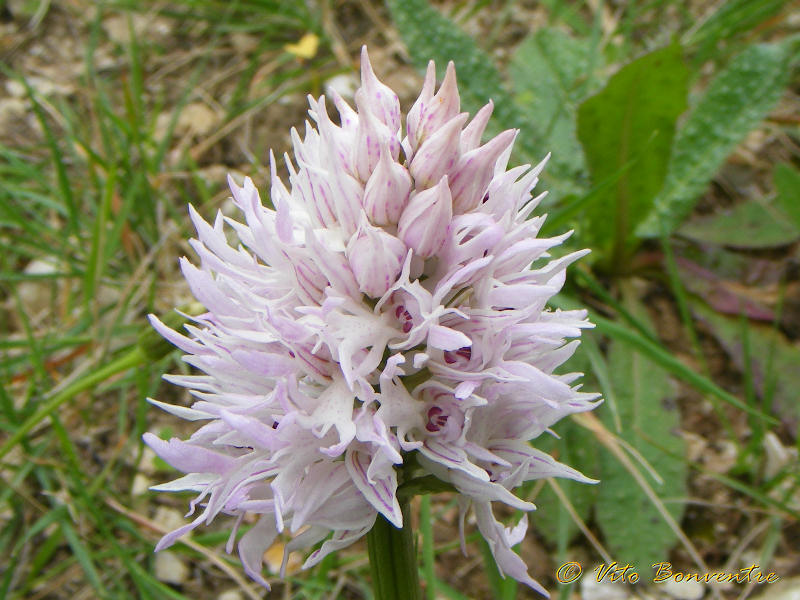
x=392 y=305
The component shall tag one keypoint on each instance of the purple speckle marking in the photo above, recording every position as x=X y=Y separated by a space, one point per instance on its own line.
x=436 y=419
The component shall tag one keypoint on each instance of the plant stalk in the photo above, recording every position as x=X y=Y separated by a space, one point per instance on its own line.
x=393 y=559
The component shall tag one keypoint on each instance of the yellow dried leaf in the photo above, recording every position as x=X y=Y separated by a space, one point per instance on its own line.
x=306 y=47
x=274 y=556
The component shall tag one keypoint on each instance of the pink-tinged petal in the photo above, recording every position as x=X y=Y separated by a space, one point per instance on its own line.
x=303 y=540
x=194 y=482
x=415 y=114
x=380 y=490
x=373 y=431
x=471 y=136
x=438 y=155
x=208 y=291
x=335 y=141
x=440 y=109
x=281 y=199
x=257 y=433
x=420 y=360
x=349 y=196
x=333 y=267
x=376 y=258
x=214 y=239
x=173 y=536
x=265 y=364
x=339 y=540
x=253 y=545
x=386 y=192
x=519 y=296
x=372 y=136
x=502 y=162
x=499 y=540
x=540 y=465
x=475 y=170
x=188 y=457
x=190 y=414
x=347 y=116
x=516 y=534
x=459 y=277
x=317 y=488
x=452 y=457
x=465 y=389
x=337 y=167
x=383 y=102
x=399 y=408
x=445 y=338
x=478 y=452
x=424 y=224
x=334 y=409
x=175 y=338
x=346 y=509
x=485 y=491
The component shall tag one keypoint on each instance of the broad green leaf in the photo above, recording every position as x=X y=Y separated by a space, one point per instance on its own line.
x=751 y=224
x=550 y=73
x=729 y=20
x=787 y=184
x=735 y=102
x=429 y=35
x=626 y=131
x=633 y=528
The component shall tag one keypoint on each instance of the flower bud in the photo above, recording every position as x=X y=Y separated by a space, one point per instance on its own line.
x=381 y=100
x=439 y=154
x=471 y=136
x=431 y=113
x=425 y=221
x=387 y=189
x=376 y=258
x=475 y=170
x=372 y=135
x=414 y=118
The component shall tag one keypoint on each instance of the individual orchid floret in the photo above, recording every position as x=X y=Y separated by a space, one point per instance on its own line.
x=384 y=102
x=474 y=171
x=426 y=220
x=376 y=258
x=385 y=324
x=439 y=154
x=374 y=136
x=431 y=111
x=387 y=190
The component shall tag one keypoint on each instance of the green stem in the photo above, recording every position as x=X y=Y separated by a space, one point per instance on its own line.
x=419 y=486
x=428 y=557
x=133 y=358
x=393 y=559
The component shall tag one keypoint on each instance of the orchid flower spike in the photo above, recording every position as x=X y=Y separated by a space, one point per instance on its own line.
x=392 y=306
